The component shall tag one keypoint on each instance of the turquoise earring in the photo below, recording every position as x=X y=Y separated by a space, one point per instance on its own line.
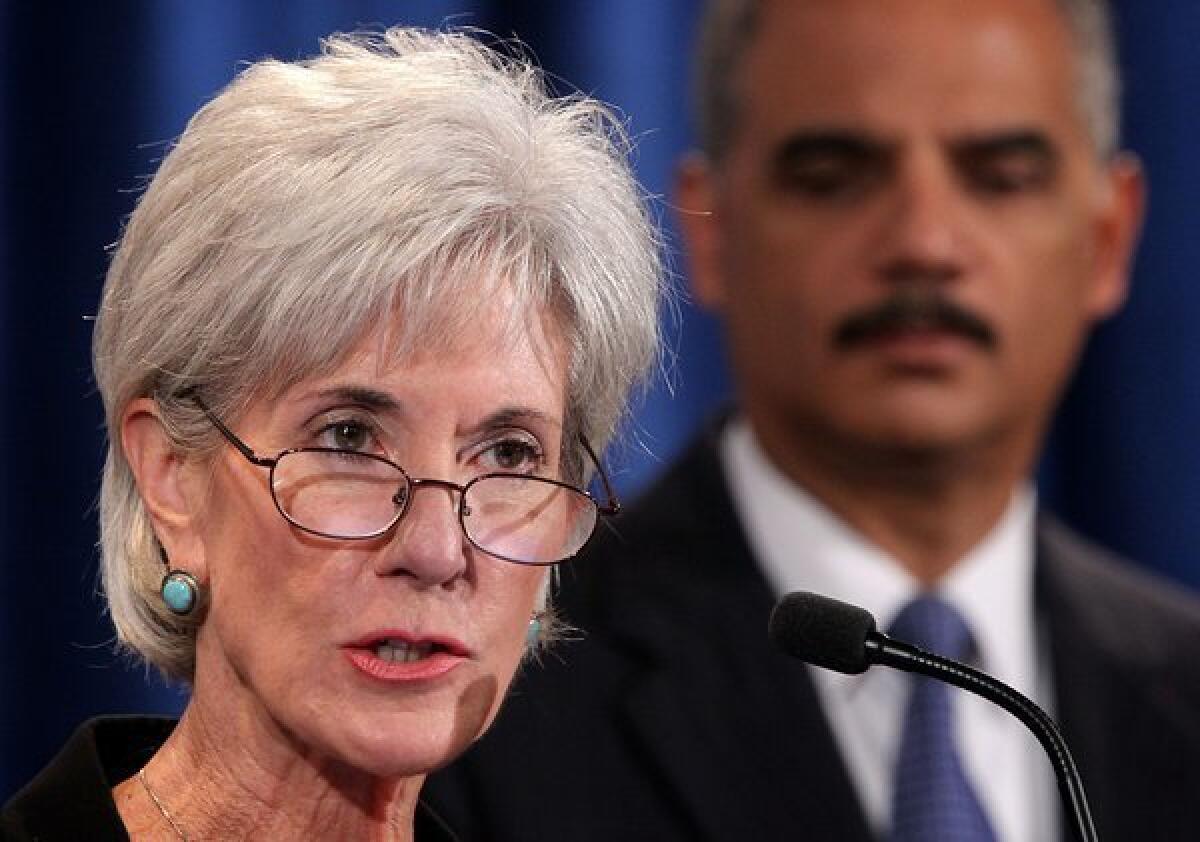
x=180 y=592
x=533 y=631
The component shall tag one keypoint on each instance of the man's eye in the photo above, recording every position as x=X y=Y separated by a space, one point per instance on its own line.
x=826 y=178
x=1010 y=175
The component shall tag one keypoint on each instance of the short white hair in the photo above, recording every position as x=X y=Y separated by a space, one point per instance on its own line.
x=403 y=172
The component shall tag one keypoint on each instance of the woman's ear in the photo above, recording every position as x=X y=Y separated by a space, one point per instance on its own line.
x=168 y=485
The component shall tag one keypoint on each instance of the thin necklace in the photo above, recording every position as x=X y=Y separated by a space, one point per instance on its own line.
x=141 y=776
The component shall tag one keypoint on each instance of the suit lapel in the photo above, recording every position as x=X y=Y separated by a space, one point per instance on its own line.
x=698 y=723
x=712 y=684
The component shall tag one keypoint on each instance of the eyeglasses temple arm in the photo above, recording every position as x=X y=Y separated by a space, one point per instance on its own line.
x=612 y=504
x=230 y=436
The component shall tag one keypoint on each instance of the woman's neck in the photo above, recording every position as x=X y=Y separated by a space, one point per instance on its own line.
x=222 y=775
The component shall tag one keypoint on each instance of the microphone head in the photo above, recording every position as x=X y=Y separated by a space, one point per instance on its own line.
x=824 y=632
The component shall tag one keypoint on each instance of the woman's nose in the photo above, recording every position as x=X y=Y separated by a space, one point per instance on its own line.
x=428 y=543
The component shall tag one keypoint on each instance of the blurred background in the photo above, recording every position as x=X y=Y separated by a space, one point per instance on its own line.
x=91 y=95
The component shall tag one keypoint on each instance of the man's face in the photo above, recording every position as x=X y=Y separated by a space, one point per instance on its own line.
x=910 y=233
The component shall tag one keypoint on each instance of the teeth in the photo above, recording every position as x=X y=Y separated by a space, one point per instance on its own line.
x=401 y=651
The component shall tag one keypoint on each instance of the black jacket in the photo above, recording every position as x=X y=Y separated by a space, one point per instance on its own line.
x=674 y=719
x=71 y=799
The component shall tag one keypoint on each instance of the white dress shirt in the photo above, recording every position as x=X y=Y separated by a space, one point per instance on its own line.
x=801 y=545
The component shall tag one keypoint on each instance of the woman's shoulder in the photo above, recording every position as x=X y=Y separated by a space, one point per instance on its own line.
x=71 y=798
x=428 y=826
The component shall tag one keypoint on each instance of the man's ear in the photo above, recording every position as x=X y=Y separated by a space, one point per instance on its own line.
x=167 y=484
x=1118 y=225
x=695 y=202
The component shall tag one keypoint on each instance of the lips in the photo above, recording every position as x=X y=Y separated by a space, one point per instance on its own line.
x=405 y=646
x=402 y=657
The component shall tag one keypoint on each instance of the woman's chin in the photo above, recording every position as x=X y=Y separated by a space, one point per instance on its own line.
x=408 y=748
x=402 y=760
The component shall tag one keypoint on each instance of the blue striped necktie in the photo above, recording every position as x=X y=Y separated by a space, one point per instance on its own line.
x=932 y=800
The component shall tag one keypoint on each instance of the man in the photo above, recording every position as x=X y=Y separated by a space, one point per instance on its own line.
x=908 y=213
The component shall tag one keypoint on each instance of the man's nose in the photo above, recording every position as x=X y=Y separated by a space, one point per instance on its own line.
x=925 y=229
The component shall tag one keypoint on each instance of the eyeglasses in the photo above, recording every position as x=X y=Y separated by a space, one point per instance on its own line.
x=353 y=496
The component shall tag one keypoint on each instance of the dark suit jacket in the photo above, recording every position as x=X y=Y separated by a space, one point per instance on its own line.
x=673 y=718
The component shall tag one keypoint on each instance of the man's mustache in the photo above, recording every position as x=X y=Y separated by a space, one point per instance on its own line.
x=910 y=309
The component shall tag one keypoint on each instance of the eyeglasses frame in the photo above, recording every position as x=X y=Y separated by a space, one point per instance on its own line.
x=609 y=508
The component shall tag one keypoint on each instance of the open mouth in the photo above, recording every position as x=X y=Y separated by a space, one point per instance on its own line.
x=398 y=648
x=393 y=658
x=403 y=652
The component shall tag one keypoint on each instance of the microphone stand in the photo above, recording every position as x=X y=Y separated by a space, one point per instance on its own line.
x=882 y=649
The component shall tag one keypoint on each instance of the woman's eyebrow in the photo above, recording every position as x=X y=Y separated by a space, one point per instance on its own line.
x=363 y=396
x=384 y=402
x=513 y=415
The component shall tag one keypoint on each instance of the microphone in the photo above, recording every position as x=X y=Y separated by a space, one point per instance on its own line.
x=835 y=635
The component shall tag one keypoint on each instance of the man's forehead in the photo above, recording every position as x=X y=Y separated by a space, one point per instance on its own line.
x=768 y=14
x=898 y=66
x=832 y=40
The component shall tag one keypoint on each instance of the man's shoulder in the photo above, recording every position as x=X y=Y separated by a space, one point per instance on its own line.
x=1125 y=646
x=1079 y=564
x=1134 y=611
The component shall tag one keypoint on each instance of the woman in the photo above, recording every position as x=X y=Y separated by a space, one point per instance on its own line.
x=353 y=347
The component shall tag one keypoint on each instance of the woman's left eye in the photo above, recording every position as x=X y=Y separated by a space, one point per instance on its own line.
x=513 y=455
x=346 y=435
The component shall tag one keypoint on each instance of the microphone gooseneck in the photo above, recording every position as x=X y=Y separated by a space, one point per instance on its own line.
x=835 y=635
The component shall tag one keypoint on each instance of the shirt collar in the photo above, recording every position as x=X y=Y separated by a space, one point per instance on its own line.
x=800 y=544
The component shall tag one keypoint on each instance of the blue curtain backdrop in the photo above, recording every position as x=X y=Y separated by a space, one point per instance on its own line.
x=90 y=95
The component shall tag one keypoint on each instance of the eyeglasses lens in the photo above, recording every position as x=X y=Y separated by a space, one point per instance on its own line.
x=528 y=519
x=355 y=495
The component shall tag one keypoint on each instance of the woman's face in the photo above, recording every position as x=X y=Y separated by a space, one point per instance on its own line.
x=305 y=636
